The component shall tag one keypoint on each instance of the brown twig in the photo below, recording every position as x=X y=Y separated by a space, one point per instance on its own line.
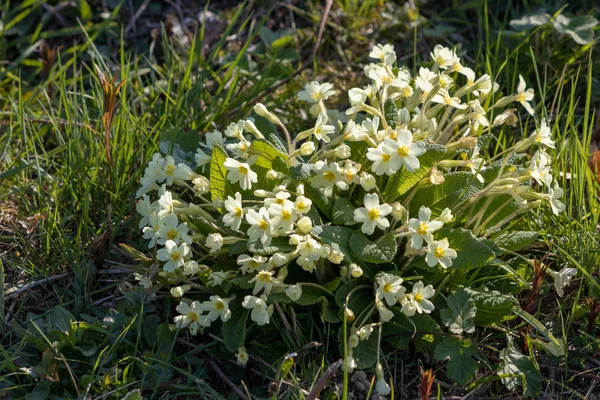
x=227 y=381
x=320 y=385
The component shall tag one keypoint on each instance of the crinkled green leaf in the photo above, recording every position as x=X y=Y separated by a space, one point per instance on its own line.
x=461 y=365
x=365 y=354
x=517 y=369
x=421 y=328
x=323 y=203
x=458 y=317
x=391 y=113
x=135 y=394
x=301 y=171
x=343 y=211
x=516 y=240
x=278 y=244
x=493 y=307
x=234 y=329
x=62 y=319
x=580 y=28
x=471 y=251
x=266 y=153
x=380 y=251
x=219 y=185
x=402 y=181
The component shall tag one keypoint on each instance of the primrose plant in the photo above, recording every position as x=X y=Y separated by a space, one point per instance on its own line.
x=380 y=214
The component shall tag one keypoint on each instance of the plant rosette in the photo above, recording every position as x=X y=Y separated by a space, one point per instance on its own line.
x=378 y=214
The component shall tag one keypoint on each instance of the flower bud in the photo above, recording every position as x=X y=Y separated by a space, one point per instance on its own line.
x=305 y=225
x=293 y=292
x=342 y=151
x=465 y=143
x=436 y=177
x=355 y=270
x=348 y=314
x=367 y=181
x=399 y=213
x=263 y=193
x=404 y=116
x=250 y=127
x=307 y=148
x=261 y=110
x=279 y=259
x=353 y=341
x=446 y=216
x=214 y=242
x=300 y=190
x=364 y=332
x=179 y=291
x=335 y=256
x=242 y=356
x=201 y=185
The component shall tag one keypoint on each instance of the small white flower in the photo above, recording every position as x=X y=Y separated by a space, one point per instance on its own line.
x=372 y=214
x=202 y=158
x=385 y=315
x=216 y=278
x=278 y=259
x=355 y=271
x=302 y=204
x=217 y=307
x=404 y=152
x=562 y=279
x=294 y=292
x=235 y=130
x=422 y=228
x=179 y=291
x=335 y=256
x=240 y=172
x=364 y=332
x=367 y=181
x=555 y=196
x=214 y=138
x=388 y=287
x=443 y=56
x=440 y=252
x=152 y=231
x=242 y=356
x=171 y=229
x=349 y=364
x=321 y=129
x=315 y=92
x=173 y=255
x=191 y=316
x=191 y=268
x=446 y=216
x=418 y=300
x=261 y=226
x=381 y=387
x=540 y=170
x=305 y=225
x=234 y=217
x=214 y=242
x=343 y=151
x=384 y=54
x=201 y=185
x=283 y=216
x=543 y=135
x=328 y=176
x=145 y=209
x=381 y=161
x=166 y=204
x=264 y=280
x=307 y=148
x=281 y=198
x=525 y=96
x=443 y=97
x=261 y=313
x=251 y=264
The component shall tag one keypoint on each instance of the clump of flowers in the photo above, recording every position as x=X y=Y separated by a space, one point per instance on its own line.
x=367 y=211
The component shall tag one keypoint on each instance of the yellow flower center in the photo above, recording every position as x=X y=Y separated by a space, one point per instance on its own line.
x=402 y=151
x=422 y=229
x=385 y=157
x=243 y=170
x=176 y=255
x=406 y=92
x=238 y=212
x=538 y=138
x=262 y=224
x=330 y=176
x=418 y=297
x=280 y=201
x=170 y=169
x=388 y=288
x=439 y=252
x=386 y=80
x=264 y=277
x=316 y=96
x=301 y=206
x=172 y=234
x=286 y=215
x=193 y=316
x=521 y=97
x=219 y=306
x=373 y=214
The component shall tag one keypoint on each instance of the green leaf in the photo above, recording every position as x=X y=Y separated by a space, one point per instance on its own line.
x=461 y=365
x=234 y=329
x=527 y=22
x=279 y=165
x=514 y=241
x=518 y=369
x=343 y=211
x=493 y=307
x=266 y=153
x=219 y=185
x=313 y=294
x=381 y=251
x=471 y=251
x=421 y=328
x=85 y=11
x=365 y=354
x=277 y=244
x=62 y=319
x=456 y=186
x=391 y=113
x=402 y=181
x=580 y=28
x=323 y=203
x=359 y=300
x=458 y=317
x=180 y=144
x=135 y=394
x=301 y=171
x=533 y=321
x=39 y=392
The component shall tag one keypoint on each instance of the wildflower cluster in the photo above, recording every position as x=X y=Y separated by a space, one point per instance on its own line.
x=381 y=199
